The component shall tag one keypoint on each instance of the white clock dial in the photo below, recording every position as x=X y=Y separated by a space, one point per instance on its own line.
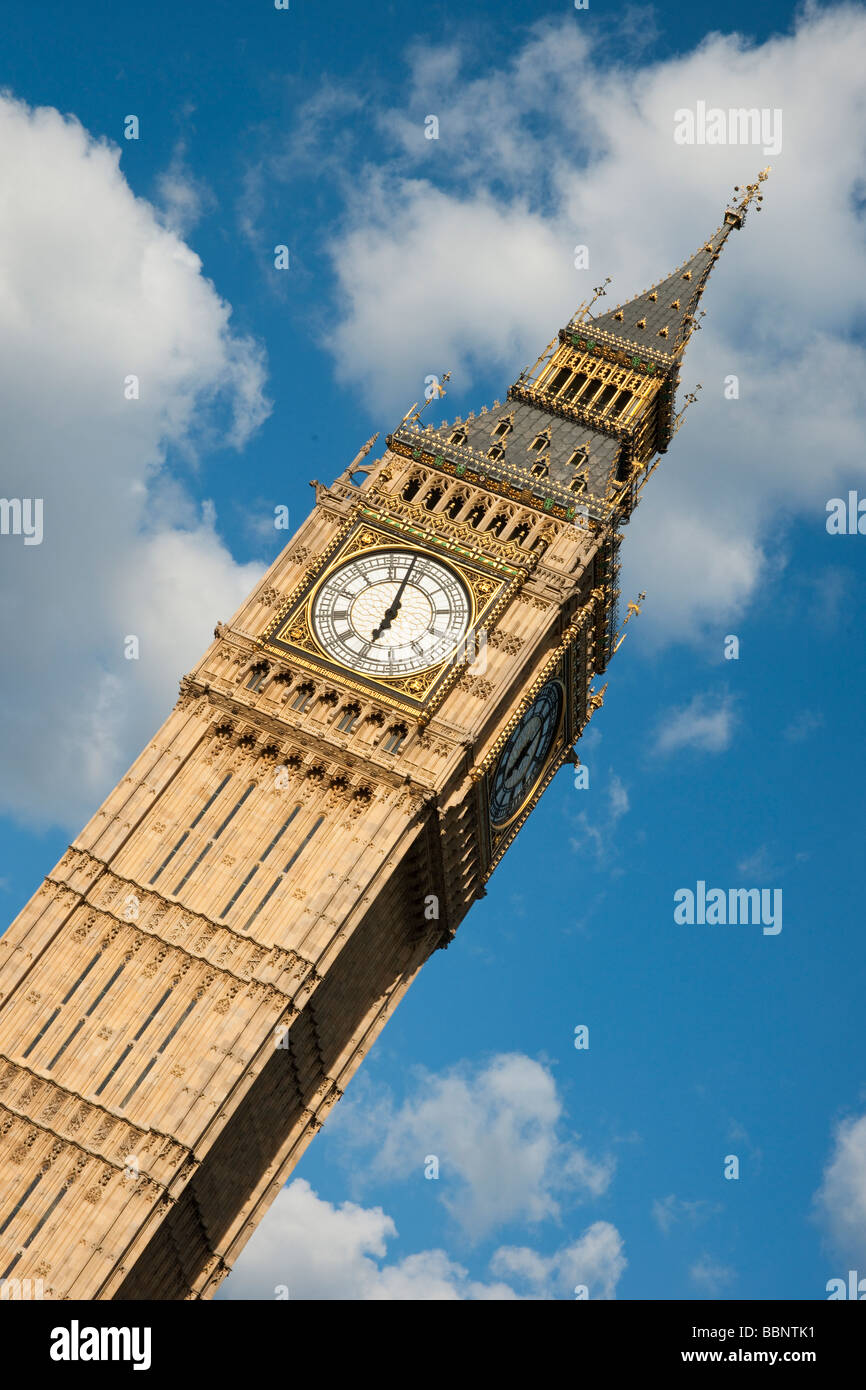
x=391 y=612
x=525 y=755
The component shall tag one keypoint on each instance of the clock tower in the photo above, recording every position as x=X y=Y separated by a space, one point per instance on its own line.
x=193 y=986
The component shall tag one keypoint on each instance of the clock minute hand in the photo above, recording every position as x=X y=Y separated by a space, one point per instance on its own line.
x=395 y=603
x=394 y=607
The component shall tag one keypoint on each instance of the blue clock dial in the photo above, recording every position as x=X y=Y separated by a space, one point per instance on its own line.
x=525 y=755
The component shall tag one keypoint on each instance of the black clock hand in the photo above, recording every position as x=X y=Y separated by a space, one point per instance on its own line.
x=515 y=747
x=395 y=603
x=394 y=607
x=527 y=753
x=524 y=763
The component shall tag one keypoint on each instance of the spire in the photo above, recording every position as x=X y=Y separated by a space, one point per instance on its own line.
x=357 y=466
x=580 y=431
x=663 y=318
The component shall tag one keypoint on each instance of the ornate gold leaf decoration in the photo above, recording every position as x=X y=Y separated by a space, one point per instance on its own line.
x=489 y=578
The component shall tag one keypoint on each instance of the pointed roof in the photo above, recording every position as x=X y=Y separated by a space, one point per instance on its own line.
x=663 y=318
x=557 y=456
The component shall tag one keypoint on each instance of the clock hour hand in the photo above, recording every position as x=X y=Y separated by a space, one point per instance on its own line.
x=524 y=763
x=383 y=626
x=522 y=758
x=394 y=607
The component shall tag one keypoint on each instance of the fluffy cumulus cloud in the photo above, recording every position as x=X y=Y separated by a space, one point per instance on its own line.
x=310 y=1248
x=497 y=1131
x=95 y=287
x=459 y=252
x=317 y=1250
x=841 y=1199
x=589 y=1268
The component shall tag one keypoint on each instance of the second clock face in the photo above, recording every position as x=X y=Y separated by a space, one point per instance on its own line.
x=525 y=755
x=391 y=612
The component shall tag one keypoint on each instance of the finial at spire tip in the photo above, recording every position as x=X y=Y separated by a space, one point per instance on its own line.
x=736 y=216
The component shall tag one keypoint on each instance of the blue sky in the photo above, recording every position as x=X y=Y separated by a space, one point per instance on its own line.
x=408 y=256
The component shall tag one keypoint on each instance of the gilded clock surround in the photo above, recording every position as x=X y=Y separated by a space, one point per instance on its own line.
x=489 y=583
x=500 y=828
x=497 y=838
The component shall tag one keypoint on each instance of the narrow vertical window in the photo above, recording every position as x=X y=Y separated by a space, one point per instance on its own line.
x=36 y=1229
x=620 y=403
x=348 y=719
x=156 y=1056
x=254 y=870
x=19 y=1204
x=185 y=836
x=393 y=740
x=81 y=1022
x=604 y=397
x=303 y=699
x=574 y=386
x=557 y=381
x=258 y=676
x=232 y=813
x=129 y=1046
x=275 y=885
x=65 y=1000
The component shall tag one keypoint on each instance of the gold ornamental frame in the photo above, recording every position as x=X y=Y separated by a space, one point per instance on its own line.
x=500 y=828
x=496 y=839
x=489 y=585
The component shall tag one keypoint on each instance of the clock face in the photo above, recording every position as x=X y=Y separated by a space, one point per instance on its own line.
x=391 y=612
x=525 y=755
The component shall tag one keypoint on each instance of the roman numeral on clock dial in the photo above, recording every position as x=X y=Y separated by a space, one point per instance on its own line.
x=393 y=611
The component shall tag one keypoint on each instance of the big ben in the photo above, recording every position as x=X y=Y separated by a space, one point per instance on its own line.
x=195 y=983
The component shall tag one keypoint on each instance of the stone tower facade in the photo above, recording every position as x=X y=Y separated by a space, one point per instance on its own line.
x=195 y=983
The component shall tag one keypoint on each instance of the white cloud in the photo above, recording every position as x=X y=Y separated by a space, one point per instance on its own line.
x=317 y=1250
x=757 y=865
x=459 y=254
x=411 y=275
x=618 y=797
x=841 y=1199
x=321 y=1251
x=597 y=830
x=803 y=725
x=94 y=287
x=671 y=1211
x=596 y=1260
x=498 y=1134
x=706 y=723
x=184 y=198
x=711 y=1276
